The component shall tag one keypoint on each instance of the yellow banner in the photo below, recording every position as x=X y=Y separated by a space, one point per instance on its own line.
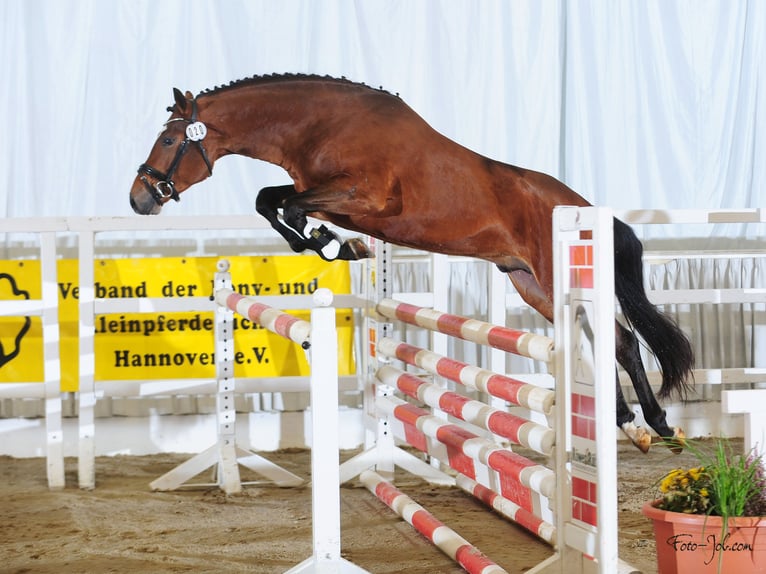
x=148 y=346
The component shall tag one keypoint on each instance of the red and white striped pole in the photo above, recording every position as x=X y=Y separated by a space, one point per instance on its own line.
x=274 y=320
x=515 y=428
x=521 y=479
x=522 y=343
x=513 y=390
x=447 y=540
x=508 y=508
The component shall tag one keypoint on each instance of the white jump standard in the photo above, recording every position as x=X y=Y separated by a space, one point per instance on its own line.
x=225 y=455
x=581 y=523
x=320 y=340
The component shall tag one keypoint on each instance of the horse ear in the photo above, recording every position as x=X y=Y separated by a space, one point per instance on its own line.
x=180 y=99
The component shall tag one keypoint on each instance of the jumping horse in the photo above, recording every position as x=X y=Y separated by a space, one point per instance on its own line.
x=363 y=160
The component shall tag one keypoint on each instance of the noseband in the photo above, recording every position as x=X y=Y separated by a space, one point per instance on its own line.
x=165 y=189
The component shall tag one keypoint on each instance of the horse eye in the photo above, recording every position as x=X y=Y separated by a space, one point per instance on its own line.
x=167 y=142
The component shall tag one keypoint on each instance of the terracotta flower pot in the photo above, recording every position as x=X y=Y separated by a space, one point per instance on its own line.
x=692 y=543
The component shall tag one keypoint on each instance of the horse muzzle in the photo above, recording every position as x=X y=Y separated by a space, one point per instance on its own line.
x=142 y=200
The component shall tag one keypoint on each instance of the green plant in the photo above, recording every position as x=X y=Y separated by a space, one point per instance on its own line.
x=756 y=504
x=685 y=491
x=724 y=484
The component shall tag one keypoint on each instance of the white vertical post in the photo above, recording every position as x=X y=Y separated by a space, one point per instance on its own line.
x=440 y=277
x=752 y=404
x=496 y=315
x=567 y=559
x=584 y=295
x=325 y=463
x=228 y=468
x=52 y=362
x=369 y=333
x=379 y=286
x=324 y=434
x=605 y=389
x=86 y=470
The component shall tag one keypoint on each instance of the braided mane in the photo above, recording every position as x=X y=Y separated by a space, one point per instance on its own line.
x=275 y=78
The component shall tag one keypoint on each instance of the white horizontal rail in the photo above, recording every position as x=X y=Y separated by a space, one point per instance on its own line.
x=198 y=222
x=31 y=390
x=711 y=376
x=152 y=305
x=743 y=401
x=137 y=223
x=140 y=388
x=751 y=404
x=659 y=257
x=205 y=304
x=21 y=307
x=243 y=385
x=663 y=216
x=699 y=296
x=419 y=299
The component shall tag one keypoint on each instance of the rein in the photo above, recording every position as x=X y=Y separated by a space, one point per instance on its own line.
x=165 y=189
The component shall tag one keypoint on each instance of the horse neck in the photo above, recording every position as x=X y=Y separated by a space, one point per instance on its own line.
x=260 y=122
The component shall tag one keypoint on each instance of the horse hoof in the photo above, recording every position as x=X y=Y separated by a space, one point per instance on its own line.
x=639 y=436
x=355 y=249
x=678 y=442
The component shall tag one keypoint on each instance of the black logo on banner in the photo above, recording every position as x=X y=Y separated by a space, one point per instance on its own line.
x=17 y=332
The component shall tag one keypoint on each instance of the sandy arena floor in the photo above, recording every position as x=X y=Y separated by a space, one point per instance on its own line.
x=122 y=526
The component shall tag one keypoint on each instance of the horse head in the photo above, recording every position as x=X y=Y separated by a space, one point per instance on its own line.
x=170 y=168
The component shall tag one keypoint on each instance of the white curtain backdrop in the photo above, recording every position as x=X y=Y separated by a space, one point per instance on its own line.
x=634 y=104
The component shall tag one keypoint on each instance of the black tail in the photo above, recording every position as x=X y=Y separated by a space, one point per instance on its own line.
x=669 y=344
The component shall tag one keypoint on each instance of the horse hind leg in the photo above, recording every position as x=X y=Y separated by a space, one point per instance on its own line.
x=628 y=355
x=639 y=436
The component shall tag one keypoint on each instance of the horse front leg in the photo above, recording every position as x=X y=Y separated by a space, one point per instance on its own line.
x=328 y=200
x=628 y=355
x=268 y=203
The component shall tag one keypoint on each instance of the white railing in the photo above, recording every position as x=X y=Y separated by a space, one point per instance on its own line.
x=748 y=402
x=86 y=229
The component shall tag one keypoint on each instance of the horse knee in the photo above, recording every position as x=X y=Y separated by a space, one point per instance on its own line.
x=262 y=208
x=269 y=199
x=293 y=215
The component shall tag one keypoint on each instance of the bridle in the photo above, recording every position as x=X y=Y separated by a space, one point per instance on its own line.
x=165 y=189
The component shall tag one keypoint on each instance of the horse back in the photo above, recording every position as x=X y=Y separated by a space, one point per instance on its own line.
x=423 y=190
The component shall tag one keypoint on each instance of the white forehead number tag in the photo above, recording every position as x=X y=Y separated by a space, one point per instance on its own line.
x=196 y=131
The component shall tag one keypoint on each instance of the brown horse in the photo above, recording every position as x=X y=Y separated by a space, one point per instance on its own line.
x=363 y=160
